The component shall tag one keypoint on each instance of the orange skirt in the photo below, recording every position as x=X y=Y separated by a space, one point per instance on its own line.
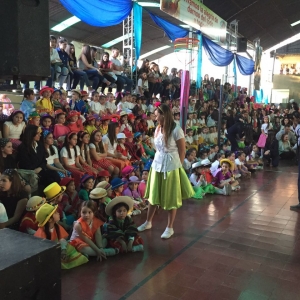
x=121 y=164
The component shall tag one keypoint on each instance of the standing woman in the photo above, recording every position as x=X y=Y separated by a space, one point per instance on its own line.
x=32 y=156
x=166 y=170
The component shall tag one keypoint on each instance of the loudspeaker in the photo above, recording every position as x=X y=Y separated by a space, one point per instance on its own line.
x=24 y=51
x=241 y=45
x=30 y=267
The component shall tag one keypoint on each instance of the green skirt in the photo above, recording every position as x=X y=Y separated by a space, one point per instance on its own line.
x=168 y=193
x=201 y=191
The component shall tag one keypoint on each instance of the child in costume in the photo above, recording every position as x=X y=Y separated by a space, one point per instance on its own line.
x=234 y=169
x=120 y=230
x=240 y=162
x=47 y=122
x=117 y=186
x=105 y=119
x=70 y=203
x=132 y=189
x=150 y=151
x=90 y=124
x=103 y=176
x=34 y=119
x=86 y=185
x=47 y=218
x=27 y=105
x=132 y=149
x=107 y=186
x=86 y=236
x=190 y=158
x=140 y=148
x=75 y=121
x=121 y=147
x=45 y=105
x=216 y=164
x=60 y=130
x=98 y=195
x=29 y=223
x=201 y=186
x=143 y=183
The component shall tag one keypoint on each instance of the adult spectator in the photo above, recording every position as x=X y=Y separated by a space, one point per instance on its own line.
x=65 y=67
x=55 y=61
x=145 y=68
x=271 y=149
x=32 y=156
x=77 y=74
x=173 y=74
x=118 y=69
x=235 y=132
x=288 y=132
x=285 y=149
x=86 y=63
x=106 y=67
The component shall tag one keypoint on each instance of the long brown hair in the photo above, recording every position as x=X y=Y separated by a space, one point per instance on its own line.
x=169 y=123
x=99 y=147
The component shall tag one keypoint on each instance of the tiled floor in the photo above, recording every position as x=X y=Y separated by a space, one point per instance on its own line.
x=244 y=247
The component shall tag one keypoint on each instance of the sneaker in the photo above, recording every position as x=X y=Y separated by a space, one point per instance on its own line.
x=227 y=189
x=295 y=207
x=136 y=212
x=111 y=251
x=36 y=91
x=145 y=226
x=138 y=248
x=167 y=233
x=237 y=175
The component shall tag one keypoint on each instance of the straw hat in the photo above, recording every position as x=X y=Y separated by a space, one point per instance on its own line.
x=98 y=193
x=77 y=91
x=227 y=161
x=123 y=113
x=44 y=213
x=44 y=89
x=34 y=203
x=122 y=199
x=104 y=185
x=53 y=190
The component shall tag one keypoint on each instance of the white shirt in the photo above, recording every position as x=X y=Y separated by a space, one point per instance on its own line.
x=265 y=127
x=116 y=62
x=187 y=164
x=14 y=132
x=110 y=148
x=167 y=157
x=214 y=168
x=144 y=107
x=54 y=55
x=144 y=85
x=194 y=180
x=3 y=214
x=238 y=162
x=50 y=158
x=189 y=139
x=64 y=153
x=150 y=124
x=150 y=108
x=111 y=106
x=95 y=106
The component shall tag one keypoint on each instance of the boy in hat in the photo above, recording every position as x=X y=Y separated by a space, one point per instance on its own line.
x=34 y=118
x=107 y=186
x=77 y=103
x=29 y=224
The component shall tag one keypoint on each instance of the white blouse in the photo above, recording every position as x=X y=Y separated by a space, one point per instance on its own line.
x=50 y=158
x=167 y=157
x=64 y=153
x=110 y=148
x=14 y=131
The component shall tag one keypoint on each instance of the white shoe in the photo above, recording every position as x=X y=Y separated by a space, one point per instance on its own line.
x=167 y=233
x=36 y=91
x=145 y=226
x=227 y=189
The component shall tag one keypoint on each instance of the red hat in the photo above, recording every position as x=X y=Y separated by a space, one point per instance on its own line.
x=65 y=181
x=46 y=88
x=73 y=113
x=59 y=111
x=127 y=170
x=157 y=104
x=131 y=117
x=84 y=93
x=105 y=118
x=104 y=173
x=90 y=117
x=129 y=135
x=115 y=116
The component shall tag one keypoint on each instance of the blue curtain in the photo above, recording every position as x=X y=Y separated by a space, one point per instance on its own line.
x=199 y=66
x=217 y=55
x=172 y=31
x=138 y=28
x=98 y=13
x=245 y=65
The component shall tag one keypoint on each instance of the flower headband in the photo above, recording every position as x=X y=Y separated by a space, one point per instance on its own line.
x=9 y=172
x=46 y=132
x=3 y=142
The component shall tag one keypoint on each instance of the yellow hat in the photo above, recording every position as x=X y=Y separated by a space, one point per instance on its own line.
x=53 y=190
x=44 y=213
x=228 y=161
x=34 y=203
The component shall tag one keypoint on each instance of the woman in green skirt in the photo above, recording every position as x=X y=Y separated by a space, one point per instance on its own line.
x=167 y=183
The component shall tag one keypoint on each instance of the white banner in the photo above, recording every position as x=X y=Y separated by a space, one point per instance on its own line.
x=197 y=15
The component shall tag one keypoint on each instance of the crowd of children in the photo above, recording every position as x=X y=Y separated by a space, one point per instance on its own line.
x=102 y=151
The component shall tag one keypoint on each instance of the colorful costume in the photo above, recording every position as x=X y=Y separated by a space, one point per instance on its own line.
x=29 y=223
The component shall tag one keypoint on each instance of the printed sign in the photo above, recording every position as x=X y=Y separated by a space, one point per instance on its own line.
x=197 y=15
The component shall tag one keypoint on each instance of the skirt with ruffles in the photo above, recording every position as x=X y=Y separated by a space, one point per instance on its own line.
x=200 y=191
x=168 y=189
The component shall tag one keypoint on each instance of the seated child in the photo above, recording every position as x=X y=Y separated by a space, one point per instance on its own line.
x=120 y=230
x=122 y=148
x=127 y=172
x=234 y=170
x=177 y=118
x=224 y=176
x=132 y=189
x=117 y=186
x=60 y=130
x=189 y=140
x=143 y=183
x=216 y=164
x=240 y=162
x=107 y=186
x=75 y=121
x=70 y=202
x=103 y=176
x=140 y=148
x=47 y=217
x=47 y=122
x=29 y=224
x=200 y=185
x=90 y=124
x=253 y=160
x=86 y=236
x=98 y=195
x=53 y=193
x=190 y=158
x=86 y=185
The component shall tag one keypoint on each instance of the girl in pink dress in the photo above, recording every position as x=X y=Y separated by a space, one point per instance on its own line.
x=60 y=130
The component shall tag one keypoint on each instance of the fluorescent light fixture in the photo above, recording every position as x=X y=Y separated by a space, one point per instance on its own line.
x=154 y=51
x=185 y=26
x=290 y=40
x=148 y=4
x=295 y=23
x=65 y=24
x=117 y=40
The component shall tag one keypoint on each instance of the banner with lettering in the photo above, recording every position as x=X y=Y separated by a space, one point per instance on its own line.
x=197 y=15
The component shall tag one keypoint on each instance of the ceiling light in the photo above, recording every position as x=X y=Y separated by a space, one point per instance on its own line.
x=285 y=42
x=65 y=24
x=185 y=26
x=148 y=4
x=154 y=51
x=117 y=40
x=295 y=23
